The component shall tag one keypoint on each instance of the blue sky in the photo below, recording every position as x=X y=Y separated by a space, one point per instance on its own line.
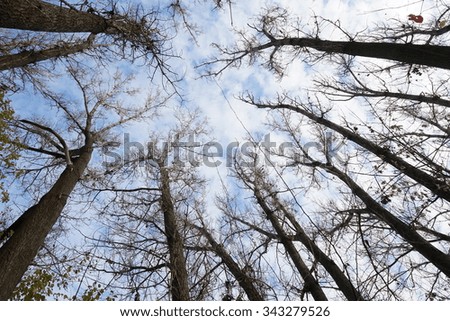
x=230 y=119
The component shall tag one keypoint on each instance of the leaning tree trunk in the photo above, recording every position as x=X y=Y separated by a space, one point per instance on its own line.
x=34 y=225
x=36 y=15
x=311 y=284
x=408 y=233
x=179 y=286
x=428 y=55
x=27 y=57
x=435 y=185
x=245 y=281
x=342 y=281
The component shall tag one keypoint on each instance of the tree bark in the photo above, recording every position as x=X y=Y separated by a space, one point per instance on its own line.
x=311 y=284
x=243 y=279
x=435 y=185
x=179 y=283
x=36 y=15
x=29 y=234
x=28 y=57
x=418 y=243
x=343 y=283
x=428 y=55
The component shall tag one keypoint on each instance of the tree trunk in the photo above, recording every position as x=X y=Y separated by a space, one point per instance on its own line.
x=28 y=57
x=243 y=279
x=179 y=283
x=418 y=243
x=33 y=226
x=435 y=185
x=343 y=283
x=428 y=55
x=311 y=284
x=36 y=15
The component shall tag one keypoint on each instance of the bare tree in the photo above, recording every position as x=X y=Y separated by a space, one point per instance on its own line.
x=388 y=175
x=37 y=34
x=276 y=33
x=23 y=239
x=148 y=203
x=159 y=245
x=241 y=274
x=280 y=215
x=409 y=224
x=134 y=28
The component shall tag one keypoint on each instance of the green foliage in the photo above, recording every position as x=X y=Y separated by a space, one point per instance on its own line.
x=93 y=292
x=8 y=144
x=36 y=286
x=43 y=284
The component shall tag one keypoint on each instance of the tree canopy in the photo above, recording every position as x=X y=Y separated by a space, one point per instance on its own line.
x=191 y=151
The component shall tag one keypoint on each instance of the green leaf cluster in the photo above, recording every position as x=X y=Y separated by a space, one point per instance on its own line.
x=8 y=144
x=35 y=287
x=42 y=284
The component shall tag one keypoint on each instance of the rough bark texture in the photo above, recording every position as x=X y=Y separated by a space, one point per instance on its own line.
x=179 y=277
x=34 y=225
x=311 y=284
x=428 y=55
x=243 y=279
x=35 y=15
x=28 y=57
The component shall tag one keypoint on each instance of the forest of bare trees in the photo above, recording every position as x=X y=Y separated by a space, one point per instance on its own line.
x=350 y=201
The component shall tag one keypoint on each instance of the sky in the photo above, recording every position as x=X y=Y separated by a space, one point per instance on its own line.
x=229 y=119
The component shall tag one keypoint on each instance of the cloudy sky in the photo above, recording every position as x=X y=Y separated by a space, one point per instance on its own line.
x=229 y=119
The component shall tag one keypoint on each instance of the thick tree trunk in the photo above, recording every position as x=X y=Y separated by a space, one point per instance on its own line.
x=28 y=57
x=34 y=225
x=435 y=185
x=428 y=55
x=179 y=276
x=36 y=15
x=311 y=284
x=243 y=279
